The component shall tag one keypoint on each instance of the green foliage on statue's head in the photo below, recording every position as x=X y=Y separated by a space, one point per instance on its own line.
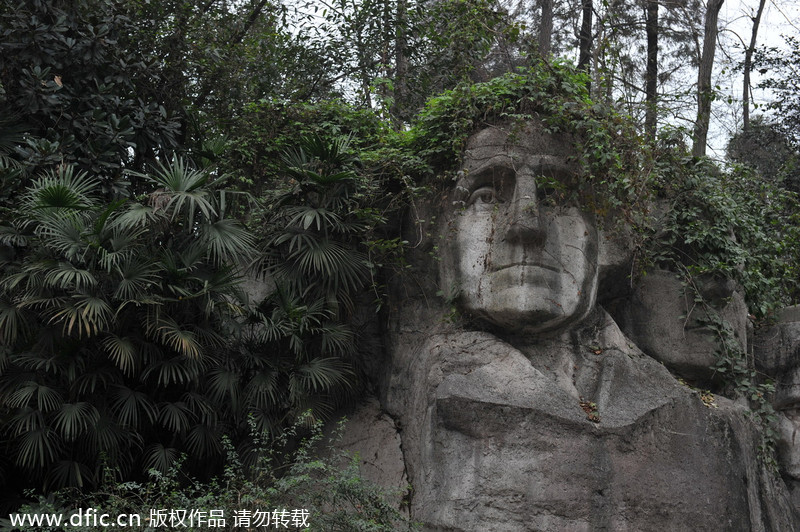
x=609 y=149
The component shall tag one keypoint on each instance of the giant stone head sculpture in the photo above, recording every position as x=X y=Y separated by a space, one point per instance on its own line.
x=519 y=257
x=538 y=412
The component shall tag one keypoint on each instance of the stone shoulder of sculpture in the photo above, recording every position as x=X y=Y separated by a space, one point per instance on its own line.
x=532 y=410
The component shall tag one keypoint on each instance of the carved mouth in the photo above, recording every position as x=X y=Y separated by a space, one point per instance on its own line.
x=544 y=265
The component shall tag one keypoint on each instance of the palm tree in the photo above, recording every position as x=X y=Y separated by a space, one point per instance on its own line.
x=319 y=223
x=111 y=313
x=127 y=340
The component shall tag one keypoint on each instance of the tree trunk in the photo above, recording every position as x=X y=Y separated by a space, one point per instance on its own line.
x=585 y=40
x=748 y=66
x=585 y=37
x=651 y=75
x=401 y=64
x=704 y=92
x=546 y=28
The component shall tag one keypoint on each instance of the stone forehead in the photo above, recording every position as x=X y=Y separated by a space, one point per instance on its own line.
x=529 y=138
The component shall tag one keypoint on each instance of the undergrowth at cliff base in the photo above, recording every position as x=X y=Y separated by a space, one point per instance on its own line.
x=310 y=485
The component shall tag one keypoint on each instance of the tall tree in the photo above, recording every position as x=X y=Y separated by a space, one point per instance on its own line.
x=585 y=36
x=545 y=37
x=401 y=57
x=782 y=64
x=651 y=75
x=704 y=91
x=748 y=67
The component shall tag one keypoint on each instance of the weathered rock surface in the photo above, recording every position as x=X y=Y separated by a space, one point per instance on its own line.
x=776 y=350
x=370 y=434
x=497 y=440
x=521 y=404
x=664 y=321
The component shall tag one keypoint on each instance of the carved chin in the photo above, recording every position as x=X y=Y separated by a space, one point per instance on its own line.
x=528 y=299
x=530 y=315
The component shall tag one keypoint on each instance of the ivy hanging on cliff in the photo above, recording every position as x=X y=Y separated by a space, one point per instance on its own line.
x=616 y=162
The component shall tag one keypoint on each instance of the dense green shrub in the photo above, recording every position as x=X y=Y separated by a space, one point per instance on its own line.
x=267 y=128
x=320 y=482
x=80 y=95
x=731 y=223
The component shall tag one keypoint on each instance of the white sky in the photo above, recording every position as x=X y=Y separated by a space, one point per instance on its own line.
x=780 y=17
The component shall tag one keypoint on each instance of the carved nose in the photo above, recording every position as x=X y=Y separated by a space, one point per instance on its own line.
x=524 y=222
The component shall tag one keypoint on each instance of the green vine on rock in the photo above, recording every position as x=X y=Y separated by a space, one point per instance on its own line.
x=615 y=161
x=733 y=364
x=728 y=224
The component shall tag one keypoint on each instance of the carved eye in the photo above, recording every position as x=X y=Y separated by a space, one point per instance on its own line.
x=484 y=196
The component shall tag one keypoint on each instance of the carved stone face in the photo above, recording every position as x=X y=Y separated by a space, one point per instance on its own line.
x=666 y=323
x=518 y=258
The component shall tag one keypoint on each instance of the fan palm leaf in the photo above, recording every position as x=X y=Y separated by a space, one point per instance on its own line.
x=331 y=263
x=61 y=189
x=137 y=279
x=175 y=417
x=181 y=340
x=87 y=315
x=319 y=218
x=26 y=419
x=69 y=473
x=132 y=407
x=109 y=437
x=182 y=189
x=64 y=235
x=98 y=377
x=264 y=391
x=173 y=371
x=13 y=235
x=32 y=393
x=73 y=419
x=122 y=352
x=223 y=386
x=203 y=441
x=120 y=245
x=321 y=375
x=226 y=241
x=137 y=215
x=200 y=407
x=14 y=324
x=160 y=458
x=45 y=361
x=37 y=448
x=328 y=153
x=67 y=277
x=338 y=340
